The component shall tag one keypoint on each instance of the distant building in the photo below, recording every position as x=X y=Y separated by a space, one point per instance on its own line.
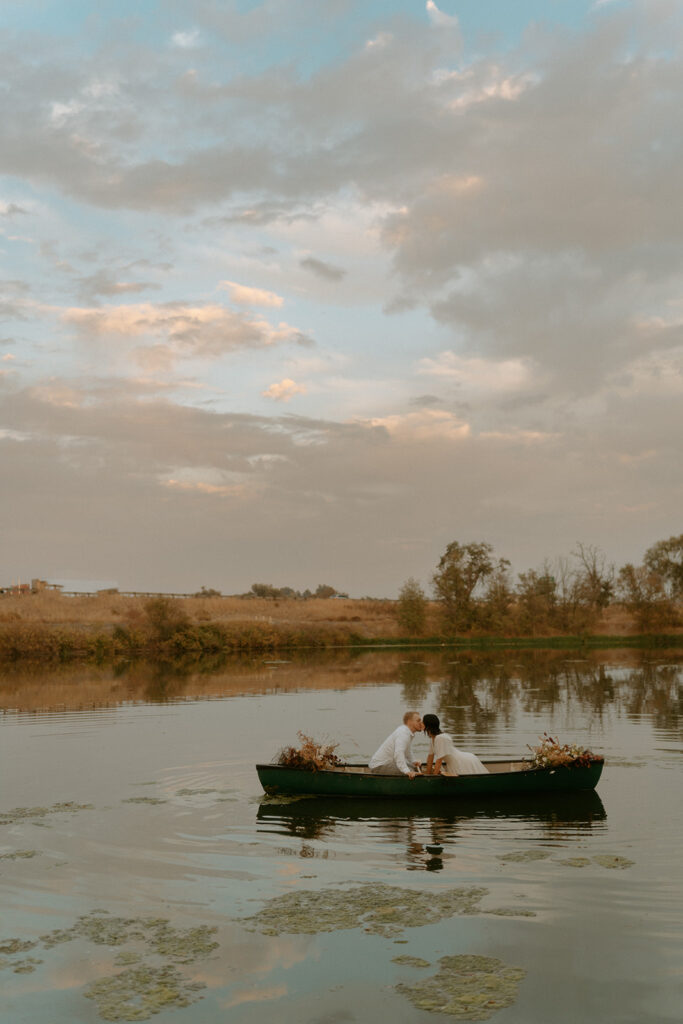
x=38 y=585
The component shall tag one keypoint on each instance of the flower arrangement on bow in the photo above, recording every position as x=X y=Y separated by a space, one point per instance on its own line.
x=311 y=755
x=552 y=754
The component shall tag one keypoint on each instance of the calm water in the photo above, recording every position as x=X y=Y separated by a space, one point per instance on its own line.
x=172 y=824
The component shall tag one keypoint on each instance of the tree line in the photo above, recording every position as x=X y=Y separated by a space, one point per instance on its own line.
x=476 y=593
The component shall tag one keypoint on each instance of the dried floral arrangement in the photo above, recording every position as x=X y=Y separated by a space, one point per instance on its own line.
x=311 y=755
x=552 y=754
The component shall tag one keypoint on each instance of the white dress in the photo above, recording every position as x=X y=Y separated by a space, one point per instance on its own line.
x=456 y=762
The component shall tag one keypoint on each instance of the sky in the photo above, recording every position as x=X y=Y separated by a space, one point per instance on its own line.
x=301 y=291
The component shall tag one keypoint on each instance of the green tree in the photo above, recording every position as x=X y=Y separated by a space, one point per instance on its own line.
x=411 y=608
x=666 y=559
x=461 y=571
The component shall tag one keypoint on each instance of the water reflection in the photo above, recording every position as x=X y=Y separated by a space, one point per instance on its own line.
x=474 y=693
x=426 y=831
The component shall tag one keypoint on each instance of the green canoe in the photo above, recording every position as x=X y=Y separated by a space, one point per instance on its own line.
x=503 y=777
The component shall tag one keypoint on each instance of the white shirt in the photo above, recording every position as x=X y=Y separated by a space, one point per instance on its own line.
x=395 y=752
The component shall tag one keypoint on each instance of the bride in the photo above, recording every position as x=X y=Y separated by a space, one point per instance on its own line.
x=442 y=752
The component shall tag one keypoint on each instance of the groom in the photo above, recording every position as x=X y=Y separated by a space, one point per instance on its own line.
x=394 y=756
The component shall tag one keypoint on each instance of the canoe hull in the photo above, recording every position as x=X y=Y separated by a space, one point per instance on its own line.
x=277 y=779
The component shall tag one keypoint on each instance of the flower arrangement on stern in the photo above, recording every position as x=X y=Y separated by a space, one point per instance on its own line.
x=550 y=753
x=311 y=755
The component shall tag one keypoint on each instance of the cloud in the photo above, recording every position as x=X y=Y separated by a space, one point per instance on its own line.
x=189 y=40
x=425 y=425
x=206 y=331
x=322 y=269
x=284 y=390
x=242 y=295
x=476 y=374
x=105 y=282
x=438 y=17
x=12 y=210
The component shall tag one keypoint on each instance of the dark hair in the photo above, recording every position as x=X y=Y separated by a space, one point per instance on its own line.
x=431 y=724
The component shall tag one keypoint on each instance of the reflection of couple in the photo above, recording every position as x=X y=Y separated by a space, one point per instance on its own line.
x=394 y=757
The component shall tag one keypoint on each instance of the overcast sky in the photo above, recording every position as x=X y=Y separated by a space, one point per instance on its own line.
x=301 y=291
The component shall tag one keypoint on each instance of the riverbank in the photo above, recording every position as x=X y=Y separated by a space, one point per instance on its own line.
x=52 y=627
x=166 y=630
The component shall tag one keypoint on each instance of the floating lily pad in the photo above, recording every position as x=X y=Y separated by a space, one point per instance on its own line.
x=19 y=854
x=524 y=856
x=410 y=961
x=575 y=862
x=607 y=860
x=466 y=987
x=380 y=909
x=140 y=992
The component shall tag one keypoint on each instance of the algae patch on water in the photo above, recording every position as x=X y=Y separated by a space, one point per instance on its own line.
x=575 y=862
x=410 y=961
x=466 y=987
x=379 y=909
x=140 y=992
x=524 y=856
x=510 y=912
x=31 y=813
x=608 y=860
x=143 y=989
x=19 y=855
x=144 y=800
x=179 y=945
x=12 y=946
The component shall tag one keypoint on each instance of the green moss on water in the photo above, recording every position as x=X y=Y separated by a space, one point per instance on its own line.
x=274 y=798
x=140 y=992
x=179 y=945
x=195 y=792
x=19 y=855
x=607 y=860
x=26 y=966
x=379 y=909
x=511 y=912
x=144 y=800
x=410 y=961
x=524 y=856
x=18 y=814
x=11 y=946
x=466 y=987
x=126 y=957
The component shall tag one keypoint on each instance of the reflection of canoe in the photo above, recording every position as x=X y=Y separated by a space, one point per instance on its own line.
x=503 y=778
x=580 y=808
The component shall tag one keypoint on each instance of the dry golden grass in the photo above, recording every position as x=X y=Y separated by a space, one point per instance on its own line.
x=368 y=617
x=364 y=616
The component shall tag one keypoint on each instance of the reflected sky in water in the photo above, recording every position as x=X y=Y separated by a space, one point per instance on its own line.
x=173 y=824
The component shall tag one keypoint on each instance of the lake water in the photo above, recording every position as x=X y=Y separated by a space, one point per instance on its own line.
x=141 y=806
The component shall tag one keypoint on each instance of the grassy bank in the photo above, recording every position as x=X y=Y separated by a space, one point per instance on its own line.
x=51 y=627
